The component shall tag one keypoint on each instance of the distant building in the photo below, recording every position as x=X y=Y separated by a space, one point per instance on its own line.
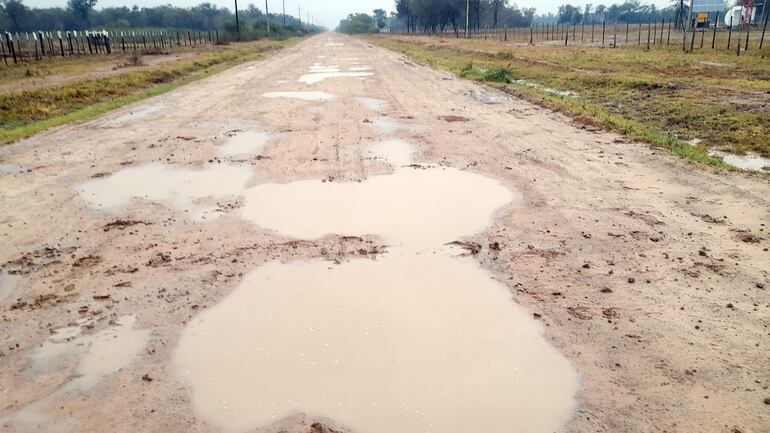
x=705 y=12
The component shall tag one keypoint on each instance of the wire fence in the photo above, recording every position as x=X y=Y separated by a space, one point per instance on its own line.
x=19 y=48
x=644 y=34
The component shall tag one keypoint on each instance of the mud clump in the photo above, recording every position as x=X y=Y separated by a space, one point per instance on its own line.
x=452 y=119
x=123 y=224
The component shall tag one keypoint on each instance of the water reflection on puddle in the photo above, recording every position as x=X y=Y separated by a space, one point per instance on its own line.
x=304 y=96
x=137 y=114
x=97 y=355
x=314 y=78
x=405 y=343
x=192 y=191
x=417 y=340
x=376 y=105
x=744 y=162
x=245 y=144
x=8 y=285
x=12 y=169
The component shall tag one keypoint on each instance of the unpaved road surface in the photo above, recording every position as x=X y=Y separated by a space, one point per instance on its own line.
x=124 y=238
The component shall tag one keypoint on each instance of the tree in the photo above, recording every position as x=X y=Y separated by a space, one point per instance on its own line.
x=381 y=18
x=496 y=5
x=82 y=8
x=15 y=11
x=357 y=23
x=569 y=14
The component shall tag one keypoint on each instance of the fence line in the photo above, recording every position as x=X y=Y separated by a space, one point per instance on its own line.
x=35 y=46
x=643 y=34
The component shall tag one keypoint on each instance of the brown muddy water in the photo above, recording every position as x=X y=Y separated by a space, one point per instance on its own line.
x=193 y=192
x=420 y=339
x=90 y=357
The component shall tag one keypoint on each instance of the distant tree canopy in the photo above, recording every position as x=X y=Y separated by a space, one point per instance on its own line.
x=80 y=14
x=357 y=24
x=440 y=15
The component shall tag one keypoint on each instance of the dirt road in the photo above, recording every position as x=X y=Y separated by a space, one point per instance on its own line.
x=127 y=240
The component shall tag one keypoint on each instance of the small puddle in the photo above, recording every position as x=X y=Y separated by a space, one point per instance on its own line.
x=487 y=97
x=304 y=96
x=376 y=105
x=748 y=162
x=12 y=169
x=8 y=285
x=98 y=356
x=245 y=144
x=314 y=78
x=139 y=114
x=192 y=191
x=561 y=93
x=386 y=125
x=418 y=340
x=360 y=68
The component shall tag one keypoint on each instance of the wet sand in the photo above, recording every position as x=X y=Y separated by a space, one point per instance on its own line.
x=322 y=185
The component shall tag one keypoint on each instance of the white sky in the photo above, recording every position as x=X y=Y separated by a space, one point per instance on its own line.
x=328 y=12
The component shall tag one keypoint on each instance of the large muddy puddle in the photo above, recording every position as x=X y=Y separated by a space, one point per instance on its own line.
x=194 y=192
x=420 y=339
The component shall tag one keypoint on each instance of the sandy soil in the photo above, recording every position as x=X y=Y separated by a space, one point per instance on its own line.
x=650 y=274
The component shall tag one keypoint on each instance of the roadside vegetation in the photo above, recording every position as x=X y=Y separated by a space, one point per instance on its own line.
x=24 y=113
x=687 y=103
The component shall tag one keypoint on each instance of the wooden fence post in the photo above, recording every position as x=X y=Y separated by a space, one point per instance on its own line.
x=764 y=29
x=604 y=27
x=649 y=32
x=730 y=34
x=61 y=44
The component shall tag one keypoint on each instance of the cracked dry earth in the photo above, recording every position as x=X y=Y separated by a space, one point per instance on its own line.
x=337 y=239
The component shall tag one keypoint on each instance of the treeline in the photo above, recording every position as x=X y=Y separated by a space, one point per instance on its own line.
x=15 y=16
x=628 y=12
x=363 y=23
x=443 y=15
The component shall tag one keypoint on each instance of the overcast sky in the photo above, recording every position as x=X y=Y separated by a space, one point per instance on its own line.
x=328 y=12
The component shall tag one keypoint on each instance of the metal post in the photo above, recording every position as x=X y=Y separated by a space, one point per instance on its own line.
x=267 y=18
x=730 y=33
x=237 y=22
x=468 y=19
x=714 y=36
x=764 y=28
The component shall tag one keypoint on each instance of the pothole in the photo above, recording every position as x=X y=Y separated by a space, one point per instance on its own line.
x=12 y=169
x=418 y=340
x=315 y=78
x=247 y=143
x=748 y=162
x=193 y=192
x=304 y=96
x=373 y=104
x=137 y=114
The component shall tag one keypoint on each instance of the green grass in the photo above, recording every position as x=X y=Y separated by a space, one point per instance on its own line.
x=662 y=97
x=26 y=113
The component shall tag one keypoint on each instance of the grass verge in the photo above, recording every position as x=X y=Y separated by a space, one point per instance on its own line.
x=26 y=113
x=684 y=103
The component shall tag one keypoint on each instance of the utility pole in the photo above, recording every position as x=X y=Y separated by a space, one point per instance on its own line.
x=267 y=18
x=468 y=18
x=237 y=23
x=283 y=3
x=299 y=16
